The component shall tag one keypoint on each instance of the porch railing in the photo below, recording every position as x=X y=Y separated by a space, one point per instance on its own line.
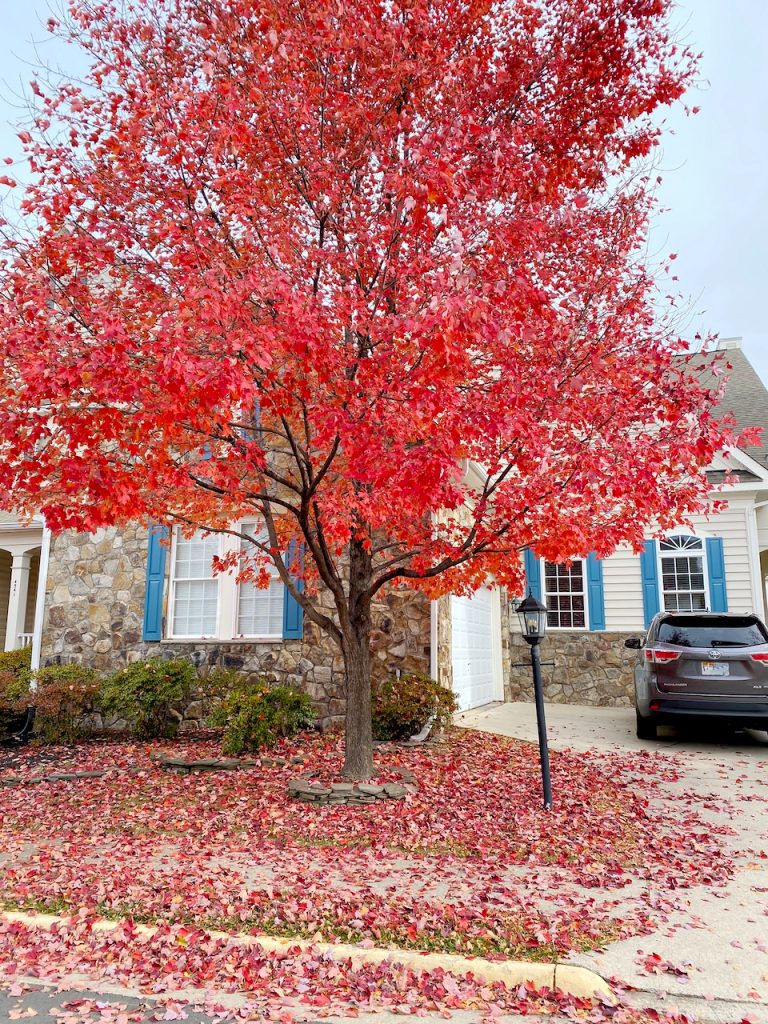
x=24 y=639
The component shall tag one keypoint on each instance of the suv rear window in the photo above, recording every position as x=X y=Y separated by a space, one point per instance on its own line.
x=696 y=631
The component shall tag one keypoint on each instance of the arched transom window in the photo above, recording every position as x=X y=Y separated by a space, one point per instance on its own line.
x=683 y=574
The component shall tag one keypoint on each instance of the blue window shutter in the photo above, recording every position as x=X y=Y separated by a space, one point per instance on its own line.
x=718 y=595
x=293 y=613
x=153 y=593
x=650 y=577
x=533 y=573
x=251 y=429
x=595 y=592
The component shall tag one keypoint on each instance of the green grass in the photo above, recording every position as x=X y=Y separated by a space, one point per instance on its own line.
x=514 y=945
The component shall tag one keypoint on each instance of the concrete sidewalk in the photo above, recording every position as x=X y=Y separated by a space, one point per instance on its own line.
x=717 y=939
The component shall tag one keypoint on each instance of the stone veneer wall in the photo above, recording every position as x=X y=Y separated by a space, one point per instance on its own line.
x=444 y=638
x=95 y=608
x=589 y=668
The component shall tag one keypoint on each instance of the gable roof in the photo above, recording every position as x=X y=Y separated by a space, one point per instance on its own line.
x=746 y=397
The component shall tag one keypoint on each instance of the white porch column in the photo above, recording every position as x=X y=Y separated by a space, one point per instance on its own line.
x=42 y=583
x=17 y=601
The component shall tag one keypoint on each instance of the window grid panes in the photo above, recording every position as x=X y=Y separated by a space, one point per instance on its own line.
x=682 y=574
x=195 y=590
x=564 y=595
x=260 y=609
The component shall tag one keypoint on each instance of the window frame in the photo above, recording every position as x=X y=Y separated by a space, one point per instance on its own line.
x=227 y=598
x=172 y=582
x=585 y=593
x=247 y=525
x=662 y=555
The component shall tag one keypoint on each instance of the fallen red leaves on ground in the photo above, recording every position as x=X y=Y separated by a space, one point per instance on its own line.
x=177 y=960
x=468 y=862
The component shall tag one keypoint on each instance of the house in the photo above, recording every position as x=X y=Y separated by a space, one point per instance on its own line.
x=719 y=565
x=120 y=595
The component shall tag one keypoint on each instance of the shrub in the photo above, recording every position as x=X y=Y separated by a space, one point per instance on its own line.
x=402 y=707
x=64 y=697
x=16 y=663
x=145 y=692
x=14 y=684
x=218 y=681
x=259 y=715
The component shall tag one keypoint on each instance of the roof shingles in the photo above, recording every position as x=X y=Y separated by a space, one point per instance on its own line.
x=746 y=397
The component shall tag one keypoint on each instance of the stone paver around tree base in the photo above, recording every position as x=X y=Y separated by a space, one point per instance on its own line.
x=344 y=792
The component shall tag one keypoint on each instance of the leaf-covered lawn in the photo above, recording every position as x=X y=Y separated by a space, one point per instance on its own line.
x=468 y=862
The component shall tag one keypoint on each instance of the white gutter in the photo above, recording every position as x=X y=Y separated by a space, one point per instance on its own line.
x=37 y=636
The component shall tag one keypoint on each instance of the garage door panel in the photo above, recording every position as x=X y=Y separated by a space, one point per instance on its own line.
x=473 y=651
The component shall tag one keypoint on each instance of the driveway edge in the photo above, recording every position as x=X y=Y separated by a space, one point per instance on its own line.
x=570 y=979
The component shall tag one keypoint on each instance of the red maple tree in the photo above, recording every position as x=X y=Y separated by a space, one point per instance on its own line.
x=313 y=258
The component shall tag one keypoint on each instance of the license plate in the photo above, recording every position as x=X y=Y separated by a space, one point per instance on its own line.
x=715 y=668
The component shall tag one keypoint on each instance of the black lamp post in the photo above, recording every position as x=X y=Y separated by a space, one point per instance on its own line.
x=533 y=625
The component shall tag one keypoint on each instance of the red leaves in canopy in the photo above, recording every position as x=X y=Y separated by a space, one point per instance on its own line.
x=408 y=233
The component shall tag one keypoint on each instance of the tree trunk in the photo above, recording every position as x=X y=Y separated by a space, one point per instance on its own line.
x=358 y=752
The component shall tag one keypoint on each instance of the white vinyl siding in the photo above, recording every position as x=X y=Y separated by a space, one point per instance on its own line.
x=732 y=526
x=621 y=571
x=8 y=519
x=623 y=590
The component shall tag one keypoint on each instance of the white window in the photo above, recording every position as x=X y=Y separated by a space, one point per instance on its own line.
x=259 y=609
x=683 y=574
x=194 y=589
x=565 y=595
x=204 y=606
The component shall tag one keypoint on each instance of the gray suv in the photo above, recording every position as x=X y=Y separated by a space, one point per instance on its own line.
x=701 y=666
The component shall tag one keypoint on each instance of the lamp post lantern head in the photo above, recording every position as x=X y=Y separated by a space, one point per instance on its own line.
x=533 y=619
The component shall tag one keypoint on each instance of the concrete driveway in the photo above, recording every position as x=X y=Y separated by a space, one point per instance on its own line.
x=719 y=937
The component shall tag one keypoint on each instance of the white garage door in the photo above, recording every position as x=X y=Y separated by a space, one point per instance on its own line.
x=474 y=649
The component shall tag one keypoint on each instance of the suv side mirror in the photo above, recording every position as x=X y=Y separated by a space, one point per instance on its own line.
x=634 y=643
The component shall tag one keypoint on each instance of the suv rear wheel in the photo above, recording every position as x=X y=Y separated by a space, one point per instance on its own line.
x=646 y=727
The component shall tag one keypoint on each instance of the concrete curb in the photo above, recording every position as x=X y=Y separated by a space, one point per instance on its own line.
x=568 y=978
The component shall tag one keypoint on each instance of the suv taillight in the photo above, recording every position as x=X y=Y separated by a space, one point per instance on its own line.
x=661 y=657
x=762 y=656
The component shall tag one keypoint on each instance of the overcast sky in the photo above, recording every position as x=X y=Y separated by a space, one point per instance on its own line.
x=713 y=165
